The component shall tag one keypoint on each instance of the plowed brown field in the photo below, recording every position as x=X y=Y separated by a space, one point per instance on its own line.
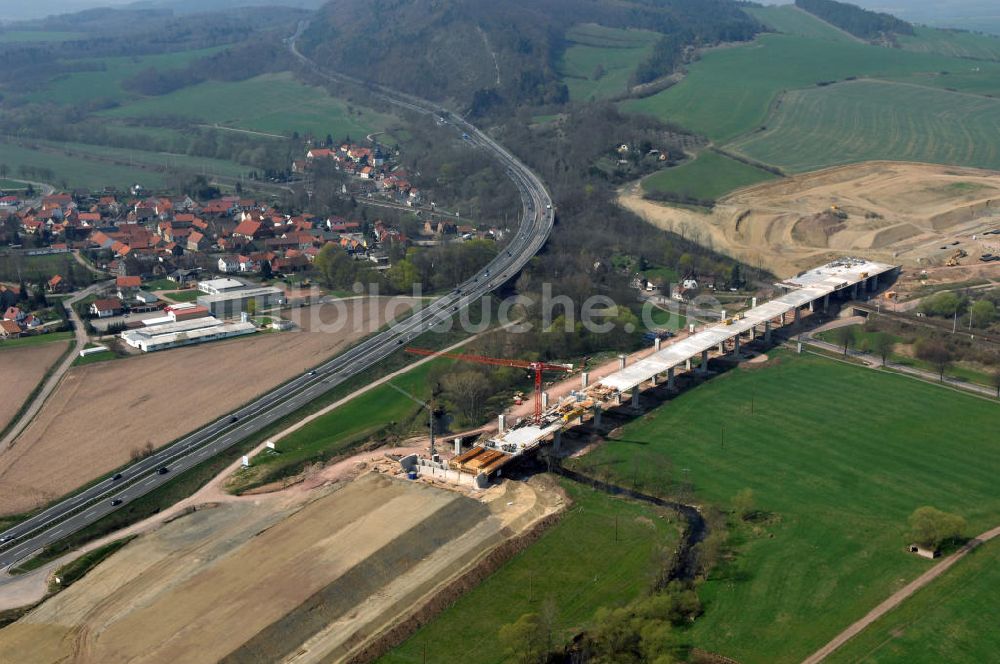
x=101 y=412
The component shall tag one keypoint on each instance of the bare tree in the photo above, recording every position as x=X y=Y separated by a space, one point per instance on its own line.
x=935 y=353
x=844 y=336
x=882 y=344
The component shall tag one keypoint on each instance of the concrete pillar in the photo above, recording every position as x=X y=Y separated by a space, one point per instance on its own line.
x=670 y=378
x=502 y=423
x=736 y=345
x=767 y=331
x=618 y=398
x=798 y=315
x=722 y=348
x=621 y=362
x=798 y=347
x=545 y=400
x=687 y=364
x=753 y=303
x=557 y=441
x=722 y=316
x=826 y=302
x=458 y=446
x=812 y=306
x=656 y=343
x=856 y=289
x=874 y=283
x=635 y=398
x=691 y=328
x=585 y=380
x=753 y=332
x=597 y=416
x=655 y=379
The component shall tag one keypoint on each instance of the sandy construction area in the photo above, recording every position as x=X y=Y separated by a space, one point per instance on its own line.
x=895 y=212
x=22 y=369
x=255 y=581
x=101 y=412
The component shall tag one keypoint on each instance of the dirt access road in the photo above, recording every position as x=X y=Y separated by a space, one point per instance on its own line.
x=268 y=578
x=904 y=213
x=102 y=412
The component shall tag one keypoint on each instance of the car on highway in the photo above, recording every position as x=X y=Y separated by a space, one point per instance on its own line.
x=116 y=502
x=163 y=470
x=6 y=538
x=117 y=477
x=233 y=418
x=312 y=373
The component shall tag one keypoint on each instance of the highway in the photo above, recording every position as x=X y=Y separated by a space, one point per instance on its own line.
x=92 y=503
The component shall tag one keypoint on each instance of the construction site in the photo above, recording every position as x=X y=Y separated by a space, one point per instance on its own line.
x=844 y=279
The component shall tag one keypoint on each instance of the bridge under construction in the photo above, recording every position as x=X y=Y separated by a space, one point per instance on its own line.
x=847 y=278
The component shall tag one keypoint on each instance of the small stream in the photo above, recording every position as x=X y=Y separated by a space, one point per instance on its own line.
x=685 y=566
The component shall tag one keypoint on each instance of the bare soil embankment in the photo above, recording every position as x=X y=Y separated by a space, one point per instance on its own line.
x=905 y=213
x=102 y=412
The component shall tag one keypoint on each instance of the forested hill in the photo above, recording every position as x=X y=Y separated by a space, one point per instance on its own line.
x=485 y=54
x=859 y=22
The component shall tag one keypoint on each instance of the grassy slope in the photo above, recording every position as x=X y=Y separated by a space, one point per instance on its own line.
x=841 y=455
x=577 y=563
x=790 y=20
x=273 y=103
x=619 y=52
x=153 y=159
x=708 y=177
x=864 y=120
x=950 y=42
x=342 y=428
x=78 y=172
x=37 y=268
x=729 y=91
x=105 y=83
x=951 y=620
x=39 y=36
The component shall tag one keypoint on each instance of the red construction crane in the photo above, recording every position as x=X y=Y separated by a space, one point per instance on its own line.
x=537 y=367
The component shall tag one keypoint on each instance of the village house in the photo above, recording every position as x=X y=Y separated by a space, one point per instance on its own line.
x=106 y=308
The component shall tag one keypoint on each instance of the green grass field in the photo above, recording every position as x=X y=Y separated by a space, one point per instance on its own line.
x=729 y=92
x=840 y=456
x=273 y=103
x=40 y=268
x=708 y=177
x=577 y=563
x=11 y=185
x=126 y=158
x=78 y=171
x=951 y=620
x=189 y=295
x=601 y=60
x=105 y=81
x=790 y=20
x=951 y=42
x=36 y=339
x=12 y=36
x=864 y=120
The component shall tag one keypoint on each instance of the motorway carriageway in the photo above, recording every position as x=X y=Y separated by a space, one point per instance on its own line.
x=92 y=503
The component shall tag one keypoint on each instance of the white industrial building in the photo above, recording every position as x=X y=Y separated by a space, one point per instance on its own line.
x=232 y=304
x=184 y=333
x=217 y=286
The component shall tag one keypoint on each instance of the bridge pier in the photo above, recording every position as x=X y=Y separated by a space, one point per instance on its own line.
x=584 y=380
x=767 y=331
x=704 y=361
x=635 y=398
x=597 y=416
x=826 y=302
x=670 y=378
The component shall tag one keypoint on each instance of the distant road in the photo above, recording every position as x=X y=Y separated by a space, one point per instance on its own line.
x=91 y=504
